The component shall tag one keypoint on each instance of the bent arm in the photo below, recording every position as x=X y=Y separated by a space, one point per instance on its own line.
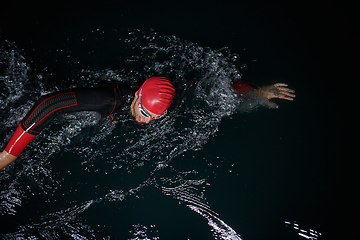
x=101 y=99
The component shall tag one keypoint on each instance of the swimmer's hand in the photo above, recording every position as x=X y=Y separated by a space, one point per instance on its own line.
x=278 y=90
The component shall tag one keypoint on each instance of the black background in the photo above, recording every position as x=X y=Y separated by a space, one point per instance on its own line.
x=324 y=32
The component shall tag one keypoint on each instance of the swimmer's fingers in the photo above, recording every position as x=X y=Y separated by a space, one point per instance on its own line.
x=284 y=92
x=277 y=90
x=286 y=95
x=283 y=89
x=280 y=85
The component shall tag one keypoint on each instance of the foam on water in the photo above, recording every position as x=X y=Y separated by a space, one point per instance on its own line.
x=202 y=77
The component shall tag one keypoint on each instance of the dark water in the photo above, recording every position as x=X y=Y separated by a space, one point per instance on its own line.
x=210 y=170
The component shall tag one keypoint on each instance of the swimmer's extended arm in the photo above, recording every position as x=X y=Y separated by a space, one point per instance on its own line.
x=253 y=95
x=278 y=90
x=5 y=159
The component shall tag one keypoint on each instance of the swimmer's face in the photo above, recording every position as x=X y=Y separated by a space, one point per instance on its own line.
x=135 y=112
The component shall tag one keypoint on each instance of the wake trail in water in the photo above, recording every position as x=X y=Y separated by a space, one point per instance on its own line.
x=188 y=193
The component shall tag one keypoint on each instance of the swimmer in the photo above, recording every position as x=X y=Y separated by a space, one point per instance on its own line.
x=150 y=102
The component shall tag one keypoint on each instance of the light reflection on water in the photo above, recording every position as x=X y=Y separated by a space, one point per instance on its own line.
x=65 y=186
x=81 y=162
x=308 y=234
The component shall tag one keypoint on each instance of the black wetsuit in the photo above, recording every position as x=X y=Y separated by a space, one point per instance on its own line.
x=109 y=100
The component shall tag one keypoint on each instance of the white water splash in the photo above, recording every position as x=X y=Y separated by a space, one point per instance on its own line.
x=200 y=105
x=220 y=228
x=189 y=192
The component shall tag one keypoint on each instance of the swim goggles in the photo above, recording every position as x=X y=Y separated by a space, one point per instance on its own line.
x=146 y=113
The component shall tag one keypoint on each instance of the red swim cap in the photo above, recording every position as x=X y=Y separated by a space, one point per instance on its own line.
x=157 y=94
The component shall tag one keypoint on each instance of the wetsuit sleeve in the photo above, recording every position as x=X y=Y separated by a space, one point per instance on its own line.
x=242 y=88
x=19 y=141
x=246 y=92
x=102 y=100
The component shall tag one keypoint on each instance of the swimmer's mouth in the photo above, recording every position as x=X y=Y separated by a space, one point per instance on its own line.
x=137 y=121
